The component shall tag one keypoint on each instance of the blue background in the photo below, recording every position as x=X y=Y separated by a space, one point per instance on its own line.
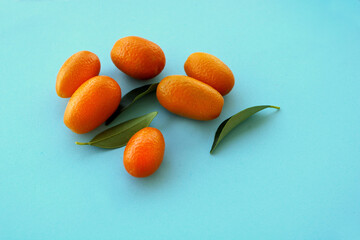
x=288 y=174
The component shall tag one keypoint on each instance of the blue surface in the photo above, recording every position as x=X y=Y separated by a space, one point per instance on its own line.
x=288 y=174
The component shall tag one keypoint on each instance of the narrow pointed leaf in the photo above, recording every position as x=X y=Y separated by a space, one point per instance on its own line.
x=130 y=98
x=230 y=123
x=119 y=135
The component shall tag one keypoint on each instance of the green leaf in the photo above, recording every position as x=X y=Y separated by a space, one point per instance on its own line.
x=130 y=98
x=230 y=123
x=119 y=135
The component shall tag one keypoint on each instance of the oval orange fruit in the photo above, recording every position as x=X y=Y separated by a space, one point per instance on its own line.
x=77 y=69
x=189 y=97
x=144 y=152
x=92 y=103
x=138 y=57
x=211 y=70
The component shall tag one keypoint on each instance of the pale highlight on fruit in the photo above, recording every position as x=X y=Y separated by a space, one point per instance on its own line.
x=188 y=97
x=92 y=103
x=138 y=57
x=211 y=70
x=79 y=68
x=144 y=152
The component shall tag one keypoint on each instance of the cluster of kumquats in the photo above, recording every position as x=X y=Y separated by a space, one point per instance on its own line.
x=199 y=95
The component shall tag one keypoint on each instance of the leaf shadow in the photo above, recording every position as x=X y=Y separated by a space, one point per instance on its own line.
x=142 y=106
x=240 y=132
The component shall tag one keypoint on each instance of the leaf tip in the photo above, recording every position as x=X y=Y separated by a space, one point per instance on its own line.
x=213 y=148
x=153 y=114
